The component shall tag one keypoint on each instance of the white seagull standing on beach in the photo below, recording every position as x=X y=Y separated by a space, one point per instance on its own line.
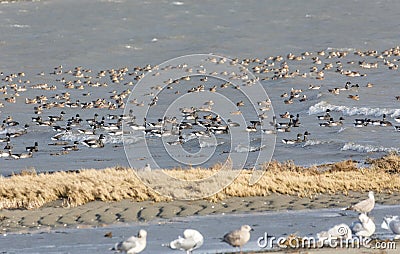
x=364 y=206
x=363 y=227
x=191 y=240
x=132 y=245
x=337 y=232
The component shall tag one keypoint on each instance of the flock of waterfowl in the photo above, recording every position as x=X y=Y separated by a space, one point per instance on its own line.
x=193 y=239
x=85 y=108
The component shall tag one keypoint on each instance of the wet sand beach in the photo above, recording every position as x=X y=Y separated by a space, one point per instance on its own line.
x=101 y=214
x=90 y=237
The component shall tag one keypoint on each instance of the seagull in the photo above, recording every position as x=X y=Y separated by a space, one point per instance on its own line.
x=363 y=227
x=146 y=168
x=364 y=206
x=238 y=237
x=340 y=231
x=392 y=223
x=191 y=240
x=132 y=245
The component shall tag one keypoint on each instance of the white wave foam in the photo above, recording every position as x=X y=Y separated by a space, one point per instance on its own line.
x=127 y=139
x=20 y=26
x=245 y=149
x=314 y=142
x=341 y=49
x=209 y=142
x=322 y=106
x=368 y=148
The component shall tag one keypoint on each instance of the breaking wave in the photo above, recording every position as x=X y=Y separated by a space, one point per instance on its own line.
x=368 y=148
x=322 y=106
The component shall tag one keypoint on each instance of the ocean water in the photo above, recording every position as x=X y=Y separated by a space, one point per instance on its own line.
x=38 y=36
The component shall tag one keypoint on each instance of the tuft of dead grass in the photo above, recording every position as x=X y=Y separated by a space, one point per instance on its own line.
x=31 y=190
x=389 y=163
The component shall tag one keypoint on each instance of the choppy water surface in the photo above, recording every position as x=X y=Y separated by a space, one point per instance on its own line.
x=96 y=36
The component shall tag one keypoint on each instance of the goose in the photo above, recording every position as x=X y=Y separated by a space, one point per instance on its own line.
x=354 y=97
x=74 y=147
x=92 y=120
x=15 y=156
x=8 y=146
x=115 y=132
x=4 y=154
x=283 y=129
x=385 y=122
x=238 y=237
x=95 y=143
x=88 y=132
x=180 y=141
x=26 y=155
x=45 y=123
x=233 y=124
x=57 y=118
x=137 y=127
x=314 y=87
x=6 y=139
x=113 y=126
x=252 y=128
x=304 y=98
x=305 y=136
x=293 y=141
x=327 y=115
x=336 y=123
x=11 y=123
x=191 y=240
x=392 y=223
x=335 y=91
x=296 y=121
x=285 y=115
x=32 y=148
x=363 y=227
x=286 y=124
x=219 y=129
x=132 y=245
x=74 y=121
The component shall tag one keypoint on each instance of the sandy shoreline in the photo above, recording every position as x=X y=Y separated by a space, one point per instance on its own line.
x=99 y=214
x=282 y=223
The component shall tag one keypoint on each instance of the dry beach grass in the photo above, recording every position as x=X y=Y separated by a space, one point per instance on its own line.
x=30 y=190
